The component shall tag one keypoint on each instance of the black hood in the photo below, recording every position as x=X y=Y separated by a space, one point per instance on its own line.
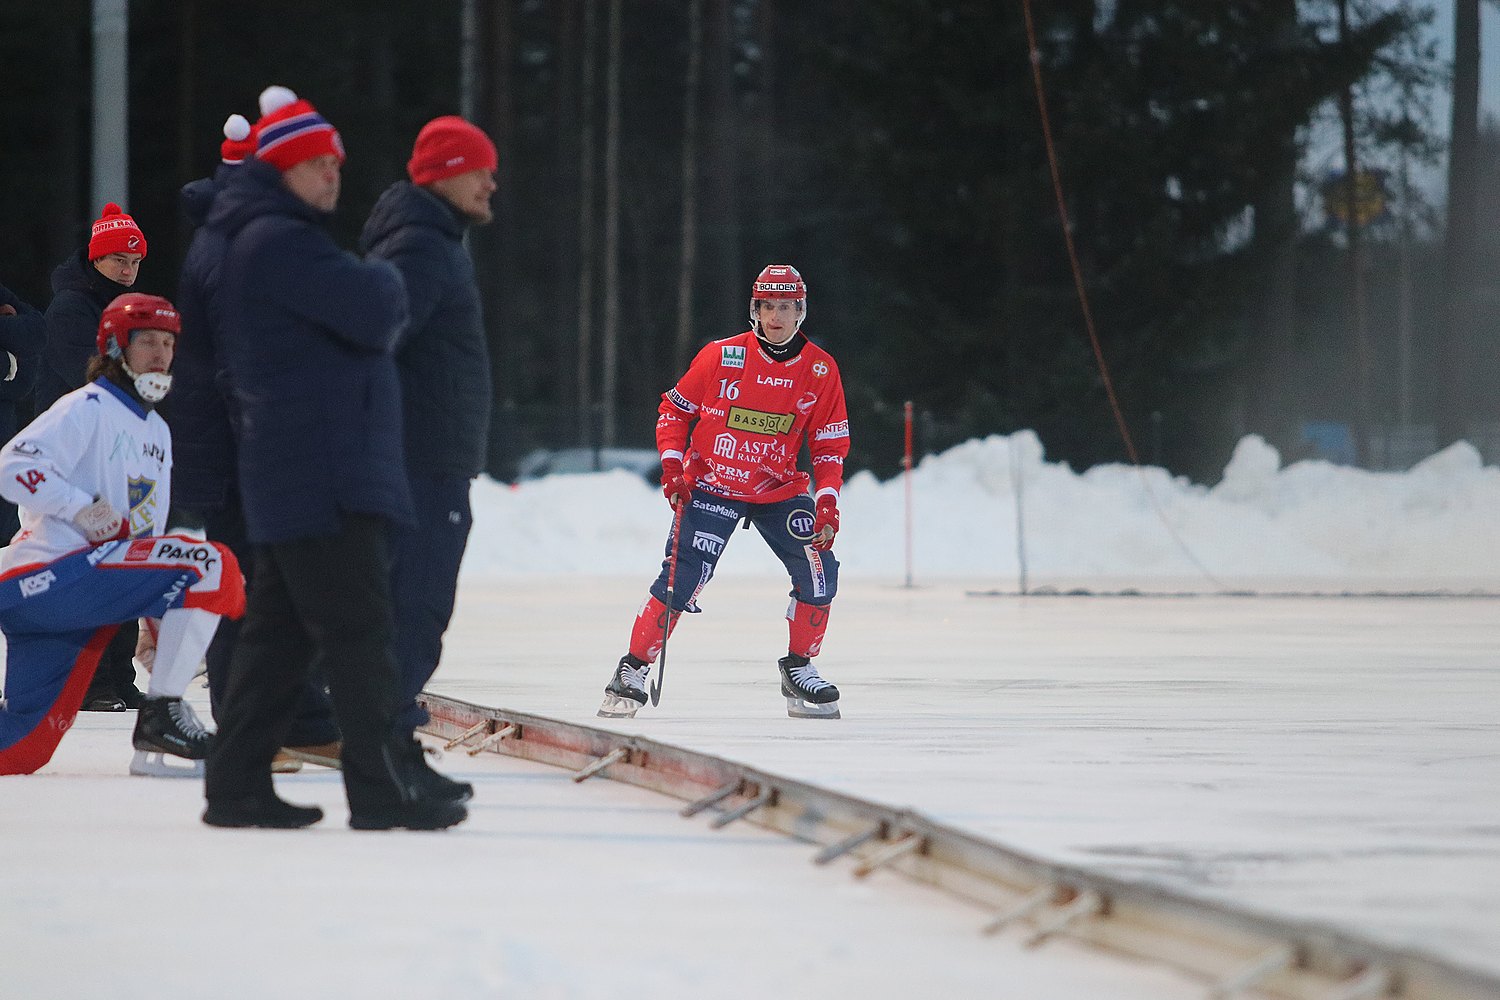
x=196 y=198
x=78 y=274
x=404 y=204
x=254 y=189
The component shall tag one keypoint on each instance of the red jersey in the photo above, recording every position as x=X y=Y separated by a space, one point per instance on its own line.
x=752 y=414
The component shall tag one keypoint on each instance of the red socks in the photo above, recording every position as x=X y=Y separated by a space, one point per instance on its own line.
x=646 y=636
x=806 y=624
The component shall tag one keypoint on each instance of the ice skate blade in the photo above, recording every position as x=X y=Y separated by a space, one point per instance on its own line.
x=617 y=707
x=155 y=764
x=799 y=709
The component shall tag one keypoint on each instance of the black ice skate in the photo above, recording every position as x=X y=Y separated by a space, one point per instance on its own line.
x=808 y=695
x=167 y=727
x=627 y=689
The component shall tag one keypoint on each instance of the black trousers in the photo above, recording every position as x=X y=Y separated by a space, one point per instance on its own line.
x=424 y=579
x=312 y=719
x=116 y=670
x=328 y=597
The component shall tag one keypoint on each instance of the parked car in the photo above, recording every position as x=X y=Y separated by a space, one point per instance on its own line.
x=644 y=462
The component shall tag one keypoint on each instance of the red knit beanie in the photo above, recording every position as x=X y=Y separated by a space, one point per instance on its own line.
x=115 y=232
x=291 y=130
x=239 y=141
x=449 y=146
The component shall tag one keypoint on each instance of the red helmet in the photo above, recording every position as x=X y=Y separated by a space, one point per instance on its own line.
x=779 y=281
x=131 y=312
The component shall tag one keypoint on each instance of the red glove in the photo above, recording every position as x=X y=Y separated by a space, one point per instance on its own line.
x=825 y=523
x=674 y=485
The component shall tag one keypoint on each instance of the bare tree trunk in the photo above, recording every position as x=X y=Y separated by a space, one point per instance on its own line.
x=689 y=188
x=728 y=286
x=186 y=75
x=1357 y=300
x=612 y=228
x=468 y=59
x=1460 y=246
x=1272 y=404
x=69 y=64
x=586 y=225
x=1404 y=302
x=499 y=276
x=769 y=203
x=564 y=237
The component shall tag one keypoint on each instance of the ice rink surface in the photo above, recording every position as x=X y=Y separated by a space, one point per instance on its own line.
x=1326 y=759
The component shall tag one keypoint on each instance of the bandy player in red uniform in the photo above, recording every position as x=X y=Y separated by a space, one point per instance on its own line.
x=729 y=434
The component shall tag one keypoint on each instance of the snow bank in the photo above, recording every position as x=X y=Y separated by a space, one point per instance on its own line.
x=980 y=505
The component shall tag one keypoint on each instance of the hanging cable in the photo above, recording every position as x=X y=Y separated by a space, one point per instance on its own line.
x=1083 y=299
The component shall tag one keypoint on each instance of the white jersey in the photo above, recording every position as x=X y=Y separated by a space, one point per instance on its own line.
x=97 y=441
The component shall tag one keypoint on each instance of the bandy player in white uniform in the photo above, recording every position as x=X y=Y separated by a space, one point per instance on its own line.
x=92 y=479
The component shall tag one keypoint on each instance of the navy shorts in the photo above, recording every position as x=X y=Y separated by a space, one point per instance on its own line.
x=708 y=524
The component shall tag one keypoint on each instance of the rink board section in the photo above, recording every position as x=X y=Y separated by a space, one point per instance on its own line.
x=1239 y=952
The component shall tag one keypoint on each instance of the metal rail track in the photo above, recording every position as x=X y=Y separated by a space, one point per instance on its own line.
x=1236 y=952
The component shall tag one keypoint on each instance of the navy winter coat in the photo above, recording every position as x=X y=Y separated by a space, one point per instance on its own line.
x=23 y=336
x=79 y=295
x=308 y=334
x=203 y=450
x=444 y=363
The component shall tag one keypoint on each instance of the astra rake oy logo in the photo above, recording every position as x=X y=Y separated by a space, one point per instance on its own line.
x=732 y=357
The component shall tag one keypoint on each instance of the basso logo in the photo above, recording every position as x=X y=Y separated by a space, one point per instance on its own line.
x=799 y=524
x=758 y=421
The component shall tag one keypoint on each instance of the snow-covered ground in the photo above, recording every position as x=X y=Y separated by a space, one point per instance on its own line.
x=1321 y=758
x=1311 y=525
